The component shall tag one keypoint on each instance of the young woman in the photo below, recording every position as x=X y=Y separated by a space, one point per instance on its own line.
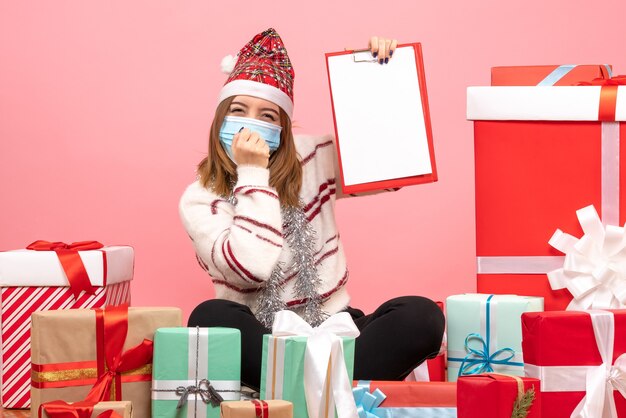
x=261 y=218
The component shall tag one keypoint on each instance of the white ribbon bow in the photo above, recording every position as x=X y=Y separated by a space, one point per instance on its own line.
x=594 y=270
x=323 y=360
x=603 y=379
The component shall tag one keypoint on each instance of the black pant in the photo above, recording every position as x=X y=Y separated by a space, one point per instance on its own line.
x=396 y=338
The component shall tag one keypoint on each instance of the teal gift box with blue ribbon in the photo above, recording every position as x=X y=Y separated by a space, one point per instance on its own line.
x=485 y=333
x=194 y=369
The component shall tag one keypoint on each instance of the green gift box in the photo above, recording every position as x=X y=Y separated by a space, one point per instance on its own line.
x=485 y=333
x=282 y=370
x=189 y=366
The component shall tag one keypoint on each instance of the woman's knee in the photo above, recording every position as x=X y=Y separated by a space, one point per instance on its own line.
x=416 y=306
x=423 y=318
x=426 y=310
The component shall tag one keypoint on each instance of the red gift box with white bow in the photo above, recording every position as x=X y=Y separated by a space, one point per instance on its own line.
x=580 y=359
x=542 y=153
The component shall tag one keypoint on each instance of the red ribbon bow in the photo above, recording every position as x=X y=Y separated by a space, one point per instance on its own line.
x=261 y=408
x=608 y=95
x=111 y=330
x=71 y=262
x=62 y=409
x=618 y=80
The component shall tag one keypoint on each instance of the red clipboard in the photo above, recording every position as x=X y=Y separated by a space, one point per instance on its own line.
x=396 y=182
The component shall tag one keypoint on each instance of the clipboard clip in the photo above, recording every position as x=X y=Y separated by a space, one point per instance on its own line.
x=363 y=55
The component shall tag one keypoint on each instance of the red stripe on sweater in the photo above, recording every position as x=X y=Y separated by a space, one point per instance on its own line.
x=213 y=254
x=312 y=154
x=324 y=296
x=317 y=262
x=242 y=268
x=266 y=192
x=214 y=205
x=325 y=199
x=327 y=241
x=320 y=190
x=296 y=302
x=269 y=241
x=327 y=254
x=341 y=283
x=235 y=288
x=229 y=263
x=259 y=236
x=259 y=224
x=244 y=228
x=202 y=263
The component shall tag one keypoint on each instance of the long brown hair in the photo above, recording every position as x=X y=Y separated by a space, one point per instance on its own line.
x=218 y=172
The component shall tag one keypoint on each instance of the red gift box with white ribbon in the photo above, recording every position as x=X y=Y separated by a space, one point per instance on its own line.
x=579 y=356
x=542 y=153
x=547 y=75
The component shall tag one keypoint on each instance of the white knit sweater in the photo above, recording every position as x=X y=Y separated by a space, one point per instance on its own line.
x=239 y=245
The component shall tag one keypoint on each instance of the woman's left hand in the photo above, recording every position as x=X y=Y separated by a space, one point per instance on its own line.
x=382 y=48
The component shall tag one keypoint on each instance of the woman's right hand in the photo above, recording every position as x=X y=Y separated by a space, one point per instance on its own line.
x=250 y=149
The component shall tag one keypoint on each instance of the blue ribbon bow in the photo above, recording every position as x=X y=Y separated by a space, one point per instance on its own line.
x=366 y=401
x=480 y=360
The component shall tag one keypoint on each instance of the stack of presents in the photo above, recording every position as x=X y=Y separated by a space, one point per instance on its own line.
x=544 y=337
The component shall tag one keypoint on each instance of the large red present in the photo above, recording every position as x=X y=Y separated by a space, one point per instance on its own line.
x=541 y=153
x=36 y=280
x=547 y=75
x=579 y=357
x=387 y=399
x=494 y=395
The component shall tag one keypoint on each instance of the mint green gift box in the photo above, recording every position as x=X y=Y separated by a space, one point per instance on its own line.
x=282 y=369
x=185 y=358
x=485 y=333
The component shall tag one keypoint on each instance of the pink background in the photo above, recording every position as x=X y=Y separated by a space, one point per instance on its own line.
x=105 y=109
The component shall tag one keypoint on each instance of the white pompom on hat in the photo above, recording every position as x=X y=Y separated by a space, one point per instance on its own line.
x=261 y=69
x=228 y=64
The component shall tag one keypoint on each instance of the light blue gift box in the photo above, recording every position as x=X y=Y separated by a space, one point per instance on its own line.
x=485 y=333
x=186 y=362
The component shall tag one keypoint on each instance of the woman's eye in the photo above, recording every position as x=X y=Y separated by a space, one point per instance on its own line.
x=269 y=115
x=236 y=110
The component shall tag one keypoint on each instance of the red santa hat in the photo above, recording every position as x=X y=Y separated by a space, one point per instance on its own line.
x=263 y=70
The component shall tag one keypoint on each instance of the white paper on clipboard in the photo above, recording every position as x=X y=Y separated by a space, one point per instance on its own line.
x=379 y=117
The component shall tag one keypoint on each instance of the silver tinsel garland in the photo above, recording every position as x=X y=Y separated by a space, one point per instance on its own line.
x=300 y=238
x=270 y=300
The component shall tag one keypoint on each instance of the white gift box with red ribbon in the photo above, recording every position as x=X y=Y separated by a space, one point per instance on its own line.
x=35 y=280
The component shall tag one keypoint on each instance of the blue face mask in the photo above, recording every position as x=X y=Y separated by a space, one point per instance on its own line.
x=269 y=132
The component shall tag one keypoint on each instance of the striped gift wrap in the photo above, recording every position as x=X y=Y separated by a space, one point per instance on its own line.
x=34 y=281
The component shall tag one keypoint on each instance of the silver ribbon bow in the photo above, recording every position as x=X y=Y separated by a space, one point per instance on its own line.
x=207 y=393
